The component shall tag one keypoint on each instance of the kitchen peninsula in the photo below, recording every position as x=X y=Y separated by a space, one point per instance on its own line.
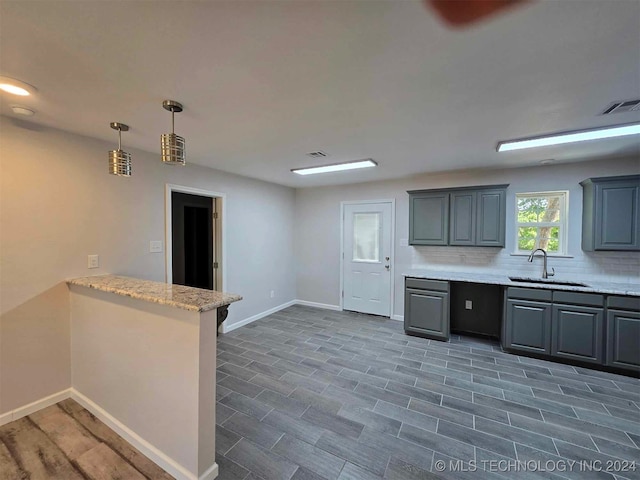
x=143 y=360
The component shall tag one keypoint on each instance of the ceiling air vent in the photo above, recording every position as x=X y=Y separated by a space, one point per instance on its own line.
x=317 y=154
x=622 y=107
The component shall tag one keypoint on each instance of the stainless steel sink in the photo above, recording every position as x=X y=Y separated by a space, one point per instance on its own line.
x=547 y=281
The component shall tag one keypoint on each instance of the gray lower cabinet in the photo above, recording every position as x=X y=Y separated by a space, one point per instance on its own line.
x=611 y=213
x=426 y=308
x=574 y=326
x=623 y=339
x=528 y=326
x=578 y=333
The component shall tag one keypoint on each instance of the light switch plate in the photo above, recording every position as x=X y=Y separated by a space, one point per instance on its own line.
x=468 y=304
x=155 y=246
x=93 y=261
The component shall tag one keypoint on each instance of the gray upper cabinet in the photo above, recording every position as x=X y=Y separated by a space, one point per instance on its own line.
x=611 y=213
x=462 y=224
x=491 y=218
x=471 y=216
x=429 y=219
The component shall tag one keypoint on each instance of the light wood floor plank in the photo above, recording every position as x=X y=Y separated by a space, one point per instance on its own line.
x=113 y=440
x=102 y=463
x=35 y=453
x=71 y=437
x=9 y=469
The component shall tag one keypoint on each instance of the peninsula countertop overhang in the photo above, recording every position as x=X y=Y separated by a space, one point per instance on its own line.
x=178 y=296
x=593 y=286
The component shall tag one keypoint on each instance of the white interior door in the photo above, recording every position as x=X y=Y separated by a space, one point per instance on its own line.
x=367 y=258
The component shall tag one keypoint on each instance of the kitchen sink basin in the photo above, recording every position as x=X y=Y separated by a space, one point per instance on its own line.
x=547 y=281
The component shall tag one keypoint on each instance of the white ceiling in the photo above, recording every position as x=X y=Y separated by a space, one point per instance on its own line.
x=265 y=82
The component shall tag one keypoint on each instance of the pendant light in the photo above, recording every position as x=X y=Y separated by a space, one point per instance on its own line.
x=172 y=146
x=119 y=160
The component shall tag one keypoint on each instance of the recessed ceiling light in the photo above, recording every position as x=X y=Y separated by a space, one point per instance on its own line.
x=570 y=137
x=336 y=167
x=27 y=112
x=16 y=87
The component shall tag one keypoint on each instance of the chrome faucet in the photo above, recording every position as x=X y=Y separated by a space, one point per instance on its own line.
x=545 y=274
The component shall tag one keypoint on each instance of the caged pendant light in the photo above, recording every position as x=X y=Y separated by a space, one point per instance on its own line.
x=172 y=146
x=119 y=160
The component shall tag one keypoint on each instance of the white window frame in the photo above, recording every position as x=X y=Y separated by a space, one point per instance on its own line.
x=563 y=224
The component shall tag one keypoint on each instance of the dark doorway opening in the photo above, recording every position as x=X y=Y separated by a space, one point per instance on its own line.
x=192 y=240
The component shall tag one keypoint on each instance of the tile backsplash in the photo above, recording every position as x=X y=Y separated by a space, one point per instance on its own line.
x=619 y=267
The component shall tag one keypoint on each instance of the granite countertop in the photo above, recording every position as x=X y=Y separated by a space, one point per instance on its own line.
x=594 y=286
x=178 y=296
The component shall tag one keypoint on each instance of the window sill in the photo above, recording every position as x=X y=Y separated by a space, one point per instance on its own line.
x=554 y=255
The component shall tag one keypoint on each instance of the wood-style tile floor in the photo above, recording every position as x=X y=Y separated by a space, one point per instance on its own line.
x=311 y=394
x=66 y=442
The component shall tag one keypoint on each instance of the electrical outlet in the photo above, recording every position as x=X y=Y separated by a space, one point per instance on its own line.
x=468 y=304
x=272 y=294
x=155 y=246
x=93 y=261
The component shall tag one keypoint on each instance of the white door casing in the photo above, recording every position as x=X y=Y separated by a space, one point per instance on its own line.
x=366 y=257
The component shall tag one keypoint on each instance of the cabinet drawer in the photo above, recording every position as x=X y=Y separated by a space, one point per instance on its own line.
x=576 y=298
x=624 y=303
x=529 y=293
x=424 y=284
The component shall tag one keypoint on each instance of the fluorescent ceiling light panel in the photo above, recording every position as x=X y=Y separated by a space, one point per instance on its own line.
x=570 y=137
x=336 y=167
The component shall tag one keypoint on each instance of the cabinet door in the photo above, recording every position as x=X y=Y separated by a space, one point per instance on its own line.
x=623 y=339
x=578 y=333
x=491 y=218
x=429 y=219
x=528 y=326
x=617 y=216
x=462 y=221
x=426 y=313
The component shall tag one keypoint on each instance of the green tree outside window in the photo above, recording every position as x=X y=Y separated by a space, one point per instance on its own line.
x=541 y=221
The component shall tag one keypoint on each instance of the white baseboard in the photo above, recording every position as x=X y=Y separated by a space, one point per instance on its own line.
x=246 y=321
x=325 y=306
x=158 y=457
x=34 y=406
x=6 y=418
x=211 y=473
x=400 y=318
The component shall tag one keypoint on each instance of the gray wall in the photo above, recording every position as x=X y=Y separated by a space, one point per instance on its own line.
x=58 y=204
x=317 y=228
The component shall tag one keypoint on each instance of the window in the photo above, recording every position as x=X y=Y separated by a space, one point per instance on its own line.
x=541 y=222
x=366 y=237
